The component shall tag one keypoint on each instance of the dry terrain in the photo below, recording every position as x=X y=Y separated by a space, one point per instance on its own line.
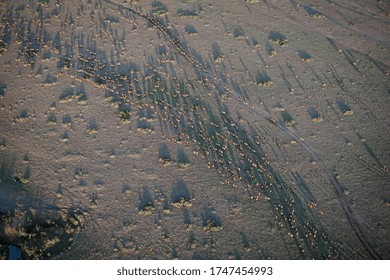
x=194 y=129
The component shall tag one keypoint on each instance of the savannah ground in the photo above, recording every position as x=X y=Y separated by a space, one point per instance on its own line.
x=186 y=129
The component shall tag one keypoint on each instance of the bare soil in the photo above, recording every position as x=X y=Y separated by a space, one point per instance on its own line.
x=189 y=129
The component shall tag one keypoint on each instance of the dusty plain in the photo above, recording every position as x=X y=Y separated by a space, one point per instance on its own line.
x=189 y=129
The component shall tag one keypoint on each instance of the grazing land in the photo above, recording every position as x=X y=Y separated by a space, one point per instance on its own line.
x=194 y=129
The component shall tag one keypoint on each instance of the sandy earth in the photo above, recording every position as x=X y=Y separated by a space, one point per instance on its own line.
x=188 y=129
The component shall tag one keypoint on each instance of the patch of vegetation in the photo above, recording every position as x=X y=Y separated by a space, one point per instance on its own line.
x=159 y=8
x=66 y=120
x=23 y=116
x=148 y=209
x=263 y=80
x=182 y=202
x=92 y=127
x=124 y=113
x=144 y=127
x=67 y=95
x=287 y=119
x=51 y=118
x=213 y=225
x=278 y=38
x=305 y=56
x=184 y=13
x=38 y=233
x=344 y=108
x=190 y=30
x=50 y=79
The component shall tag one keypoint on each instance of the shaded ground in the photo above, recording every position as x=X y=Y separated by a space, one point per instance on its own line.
x=194 y=129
